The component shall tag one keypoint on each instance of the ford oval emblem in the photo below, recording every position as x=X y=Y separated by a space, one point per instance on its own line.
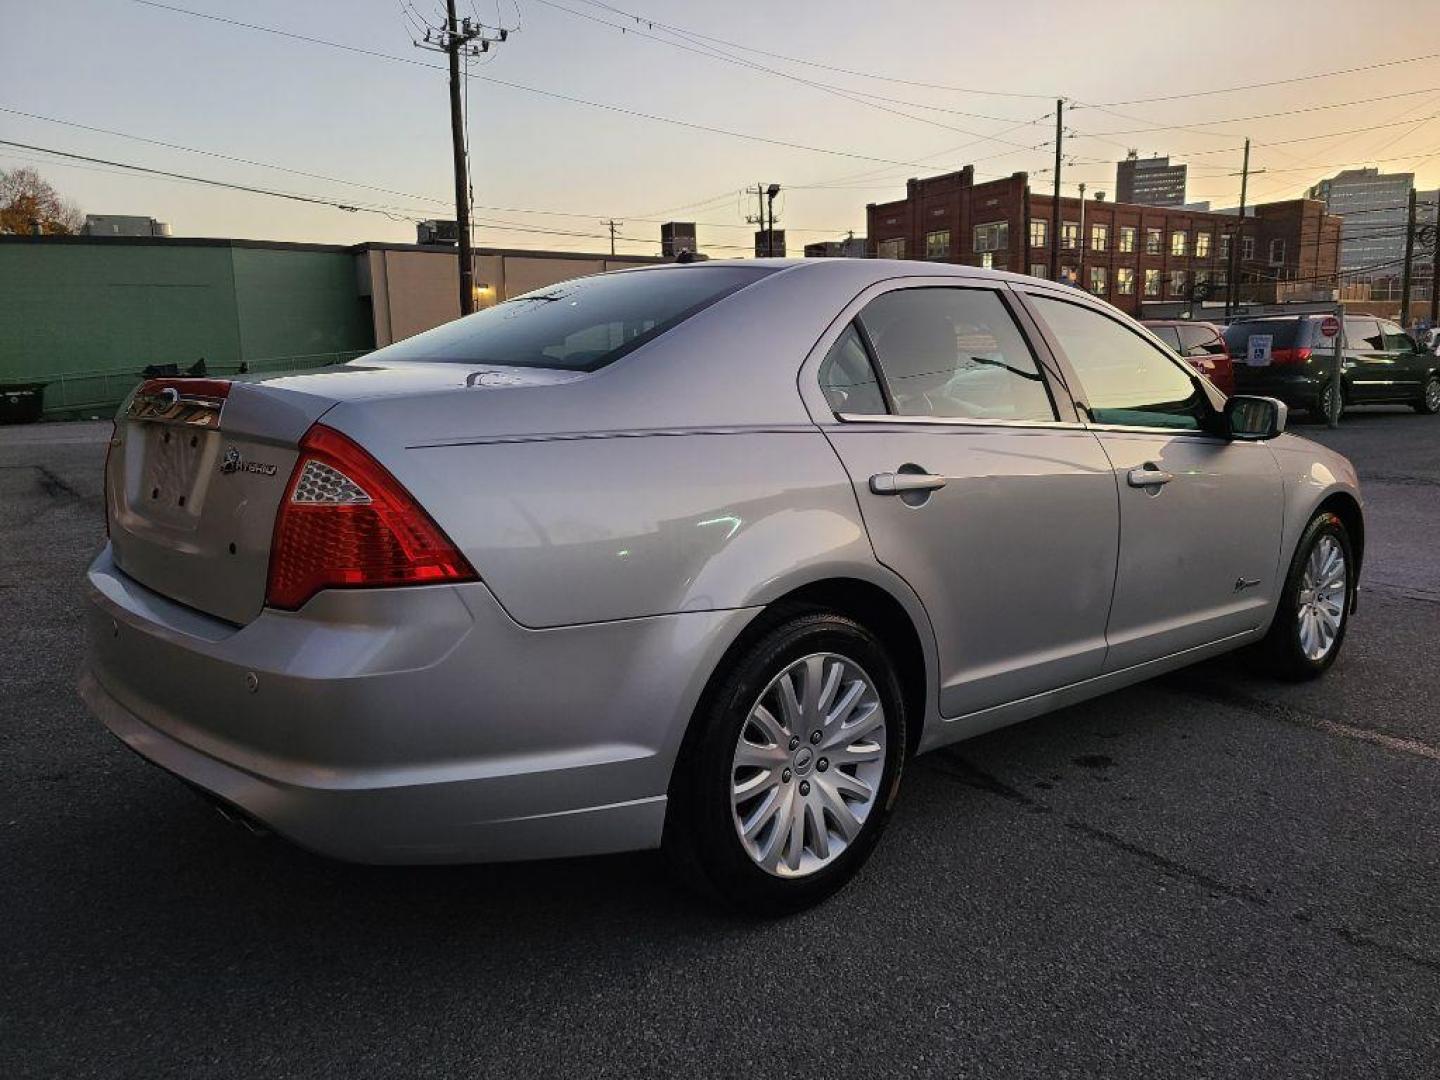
x=169 y=397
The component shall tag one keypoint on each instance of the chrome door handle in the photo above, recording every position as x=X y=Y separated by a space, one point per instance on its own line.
x=886 y=483
x=1149 y=477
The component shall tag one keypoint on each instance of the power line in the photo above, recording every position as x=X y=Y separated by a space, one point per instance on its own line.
x=815 y=63
x=620 y=109
x=1263 y=116
x=1276 y=82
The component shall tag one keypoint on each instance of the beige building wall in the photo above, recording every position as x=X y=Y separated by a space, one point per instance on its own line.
x=415 y=288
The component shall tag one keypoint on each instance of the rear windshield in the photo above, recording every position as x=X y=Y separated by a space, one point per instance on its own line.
x=578 y=325
x=1283 y=332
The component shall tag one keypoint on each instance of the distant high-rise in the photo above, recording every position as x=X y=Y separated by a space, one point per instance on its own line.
x=1149 y=181
x=1373 y=207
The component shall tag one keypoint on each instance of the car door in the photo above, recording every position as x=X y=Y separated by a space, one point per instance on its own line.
x=1200 y=516
x=1409 y=366
x=1369 y=369
x=996 y=508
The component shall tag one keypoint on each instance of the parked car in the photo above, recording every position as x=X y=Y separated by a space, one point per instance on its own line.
x=1287 y=357
x=1201 y=345
x=691 y=557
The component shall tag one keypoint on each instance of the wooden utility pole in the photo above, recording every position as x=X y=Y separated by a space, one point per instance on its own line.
x=613 y=224
x=1055 y=208
x=1233 y=272
x=457 y=38
x=1435 y=265
x=1407 y=276
x=1080 y=264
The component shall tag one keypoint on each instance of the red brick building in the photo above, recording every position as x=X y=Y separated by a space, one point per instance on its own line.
x=1132 y=254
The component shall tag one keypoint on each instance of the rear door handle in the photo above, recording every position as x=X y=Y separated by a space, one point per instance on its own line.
x=1149 y=476
x=898 y=483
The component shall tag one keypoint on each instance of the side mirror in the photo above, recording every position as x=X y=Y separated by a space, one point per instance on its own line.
x=1254 y=418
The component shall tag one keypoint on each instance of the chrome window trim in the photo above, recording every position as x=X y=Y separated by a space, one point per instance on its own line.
x=953 y=421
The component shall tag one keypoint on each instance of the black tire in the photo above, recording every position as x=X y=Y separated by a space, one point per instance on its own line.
x=1429 y=403
x=1280 y=653
x=701 y=840
x=1318 y=410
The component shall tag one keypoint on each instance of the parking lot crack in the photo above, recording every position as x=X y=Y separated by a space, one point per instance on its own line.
x=1288 y=714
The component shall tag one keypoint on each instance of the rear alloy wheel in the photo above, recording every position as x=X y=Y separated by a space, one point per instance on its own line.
x=786 y=780
x=1325 y=400
x=1314 y=608
x=1429 y=402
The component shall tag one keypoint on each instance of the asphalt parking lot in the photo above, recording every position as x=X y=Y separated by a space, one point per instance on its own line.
x=1205 y=875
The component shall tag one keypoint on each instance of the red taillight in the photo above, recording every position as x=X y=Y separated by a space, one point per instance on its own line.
x=1290 y=356
x=347 y=523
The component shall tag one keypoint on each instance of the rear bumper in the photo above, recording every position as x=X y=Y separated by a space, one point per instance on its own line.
x=407 y=725
x=1297 y=385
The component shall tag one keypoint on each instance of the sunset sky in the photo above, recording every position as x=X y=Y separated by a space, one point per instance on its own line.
x=375 y=131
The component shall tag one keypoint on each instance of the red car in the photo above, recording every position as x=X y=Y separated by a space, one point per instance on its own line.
x=1202 y=345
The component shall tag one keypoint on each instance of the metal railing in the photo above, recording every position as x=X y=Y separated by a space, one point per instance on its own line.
x=103 y=390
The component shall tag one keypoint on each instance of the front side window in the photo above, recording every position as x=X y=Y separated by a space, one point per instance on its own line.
x=1126 y=379
x=1364 y=334
x=994 y=236
x=937 y=244
x=1099 y=237
x=1202 y=245
x=955 y=353
x=1154 y=241
x=1178 y=243
x=578 y=325
x=1396 y=340
x=1152 y=282
x=890 y=249
x=1039 y=231
x=1097 y=280
x=1125 y=281
x=848 y=378
x=1127 y=239
x=1070 y=234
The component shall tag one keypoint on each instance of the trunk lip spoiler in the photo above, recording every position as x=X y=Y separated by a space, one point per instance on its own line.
x=197 y=403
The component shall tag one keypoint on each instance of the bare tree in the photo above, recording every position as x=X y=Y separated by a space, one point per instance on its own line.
x=27 y=201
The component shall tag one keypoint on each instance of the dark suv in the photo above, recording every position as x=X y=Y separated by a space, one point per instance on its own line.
x=1381 y=362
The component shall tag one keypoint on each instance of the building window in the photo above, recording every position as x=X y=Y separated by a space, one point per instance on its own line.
x=890 y=249
x=1127 y=239
x=1039 y=270
x=1154 y=242
x=1125 y=281
x=1201 y=277
x=987 y=260
x=994 y=236
x=937 y=244
x=1225 y=239
x=1202 y=245
x=1039 y=231
x=1179 y=243
x=1152 y=281
x=1277 y=252
x=1070 y=234
x=1099 y=237
x=1247 y=248
x=1177 y=282
x=1067 y=275
x=1097 y=280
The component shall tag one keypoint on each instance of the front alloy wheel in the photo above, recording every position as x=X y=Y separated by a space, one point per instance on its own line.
x=1314 y=609
x=1429 y=402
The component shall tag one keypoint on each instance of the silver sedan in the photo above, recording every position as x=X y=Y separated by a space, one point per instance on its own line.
x=690 y=557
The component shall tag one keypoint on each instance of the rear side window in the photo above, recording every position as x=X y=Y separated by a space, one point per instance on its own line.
x=578 y=325
x=1200 y=341
x=848 y=378
x=1364 y=334
x=1126 y=379
x=957 y=353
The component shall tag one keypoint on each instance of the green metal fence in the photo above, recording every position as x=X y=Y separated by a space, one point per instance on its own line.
x=100 y=392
